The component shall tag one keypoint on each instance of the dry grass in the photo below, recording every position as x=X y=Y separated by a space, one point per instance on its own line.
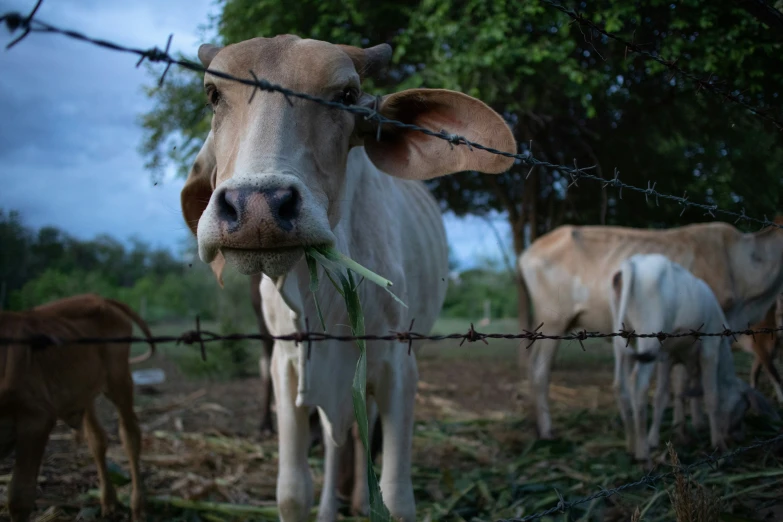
x=692 y=501
x=475 y=456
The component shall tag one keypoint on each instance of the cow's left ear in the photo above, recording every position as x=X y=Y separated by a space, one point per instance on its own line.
x=411 y=154
x=195 y=194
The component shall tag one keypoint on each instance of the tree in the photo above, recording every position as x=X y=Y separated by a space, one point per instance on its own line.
x=570 y=95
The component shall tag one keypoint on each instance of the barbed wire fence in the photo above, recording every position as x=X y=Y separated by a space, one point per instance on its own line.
x=29 y=24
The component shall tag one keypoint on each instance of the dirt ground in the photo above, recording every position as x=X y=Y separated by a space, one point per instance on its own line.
x=475 y=455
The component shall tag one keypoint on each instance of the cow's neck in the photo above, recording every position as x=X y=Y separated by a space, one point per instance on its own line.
x=757 y=269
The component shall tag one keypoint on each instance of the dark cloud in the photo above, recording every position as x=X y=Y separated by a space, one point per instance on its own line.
x=70 y=133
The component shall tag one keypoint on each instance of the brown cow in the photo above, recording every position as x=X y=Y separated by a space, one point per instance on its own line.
x=40 y=386
x=564 y=273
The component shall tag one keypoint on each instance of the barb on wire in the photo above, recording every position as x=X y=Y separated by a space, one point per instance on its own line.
x=199 y=336
x=28 y=24
x=649 y=480
x=700 y=83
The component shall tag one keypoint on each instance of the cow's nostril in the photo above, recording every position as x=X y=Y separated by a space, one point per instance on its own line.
x=284 y=205
x=289 y=205
x=229 y=205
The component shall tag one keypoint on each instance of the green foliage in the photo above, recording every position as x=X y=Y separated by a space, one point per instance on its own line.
x=39 y=266
x=466 y=294
x=572 y=94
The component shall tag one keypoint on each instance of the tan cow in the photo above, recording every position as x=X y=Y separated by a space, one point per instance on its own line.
x=292 y=173
x=40 y=386
x=565 y=272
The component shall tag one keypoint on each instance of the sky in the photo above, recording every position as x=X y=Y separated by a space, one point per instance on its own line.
x=70 y=134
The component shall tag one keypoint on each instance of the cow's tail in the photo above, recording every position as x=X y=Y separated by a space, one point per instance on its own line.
x=136 y=318
x=622 y=283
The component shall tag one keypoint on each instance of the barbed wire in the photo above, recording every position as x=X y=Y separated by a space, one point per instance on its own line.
x=28 y=24
x=701 y=83
x=648 y=480
x=201 y=336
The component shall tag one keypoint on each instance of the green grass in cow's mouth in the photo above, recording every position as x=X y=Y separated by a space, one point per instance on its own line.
x=340 y=267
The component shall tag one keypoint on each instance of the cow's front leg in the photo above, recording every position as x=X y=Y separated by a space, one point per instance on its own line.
x=294 y=482
x=396 y=400
x=662 y=392
x=641 y=385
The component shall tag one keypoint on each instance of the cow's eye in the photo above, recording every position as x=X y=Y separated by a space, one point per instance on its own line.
x=213 y=95
x=348 y=96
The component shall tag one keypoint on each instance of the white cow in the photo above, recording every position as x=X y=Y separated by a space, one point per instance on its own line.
x=650 y=293
x=292 y=173
x=352 y=479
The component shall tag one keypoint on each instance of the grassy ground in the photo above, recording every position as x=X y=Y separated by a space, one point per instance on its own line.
x=475 y=454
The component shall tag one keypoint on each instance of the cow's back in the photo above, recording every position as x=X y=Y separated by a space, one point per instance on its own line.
x=568 y=270
x=59 y=376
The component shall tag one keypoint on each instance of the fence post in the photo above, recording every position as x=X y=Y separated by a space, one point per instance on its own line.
x=2 y=296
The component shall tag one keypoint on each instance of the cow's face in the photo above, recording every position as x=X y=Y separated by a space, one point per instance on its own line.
x=744 y=399
x=277 y=166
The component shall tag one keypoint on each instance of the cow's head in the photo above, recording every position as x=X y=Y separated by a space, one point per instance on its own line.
x=738 y=404
x=278 y=165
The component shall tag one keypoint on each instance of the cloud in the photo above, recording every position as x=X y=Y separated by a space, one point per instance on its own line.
x=69 y=140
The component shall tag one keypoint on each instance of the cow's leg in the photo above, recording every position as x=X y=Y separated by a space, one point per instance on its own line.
x=267 y=391
x=755 y=371
x=539 y=370
x=294 y=481
x=696 y=401
x=679 y=385
x=327 y=508
x=345 y=479
x=360 y=496
x=620 y=387
x=709 y=380
x=31 y=437
x=396 y=400
x=765 y=359
x=120 y=393
x=97 y=442
x=662 y=392
x=641 y=385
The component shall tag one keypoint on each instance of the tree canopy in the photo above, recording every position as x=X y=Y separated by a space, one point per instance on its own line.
x=571 y=96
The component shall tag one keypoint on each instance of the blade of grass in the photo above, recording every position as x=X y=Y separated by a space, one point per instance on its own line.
x=312 y=266
x=378 y=510
x=335 y=256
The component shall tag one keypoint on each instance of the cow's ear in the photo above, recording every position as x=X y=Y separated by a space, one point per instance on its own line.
x=195 y=194
x=207 y=53
x=411 y=154
x=370 y=61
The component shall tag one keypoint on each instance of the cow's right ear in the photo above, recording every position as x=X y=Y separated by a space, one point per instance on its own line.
x=194 y=198
x=409 y=154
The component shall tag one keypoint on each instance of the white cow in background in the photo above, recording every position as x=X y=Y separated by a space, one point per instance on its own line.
x=651 y=293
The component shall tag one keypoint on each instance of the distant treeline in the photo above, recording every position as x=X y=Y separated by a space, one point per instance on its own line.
x=37 y=266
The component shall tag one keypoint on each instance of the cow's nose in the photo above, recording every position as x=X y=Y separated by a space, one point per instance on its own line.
x=245 y=206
